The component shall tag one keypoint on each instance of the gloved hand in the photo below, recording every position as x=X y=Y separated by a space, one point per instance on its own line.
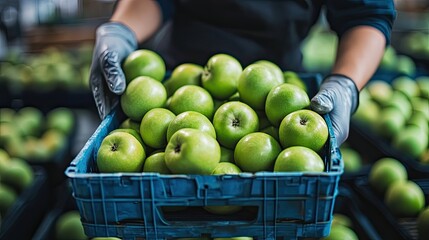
x=338 y=96
x=114 y=42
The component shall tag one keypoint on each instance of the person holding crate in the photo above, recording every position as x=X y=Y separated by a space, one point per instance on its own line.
x=192 y=30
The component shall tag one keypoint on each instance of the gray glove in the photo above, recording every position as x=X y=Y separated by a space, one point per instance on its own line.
x=338 y=96
x=114 y=42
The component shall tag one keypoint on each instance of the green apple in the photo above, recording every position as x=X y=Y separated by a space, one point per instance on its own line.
x=277 y=71
x=61 y=118
x=389 y=59
x=411 y=141
x=191 y=119
x=256 y=152
x=384 y=172
x=298 y=159
x=19 y=174
x=340 y=232
x=5 y=158
x=407 y=86
x=156 y=163
x=128 y=123
x=380 y=91
x=221 y=169
x=341 y=219
x=303 y=128
x=192 y=98
x=144 y=62
x=183 y=74
x=54 y=140
x=31 y=119
x=136 y=134
x=141 y=95
x=120 y=152
x=420 y=105
x=423 y=83
x=226 y=155
x=405 y=198
x=401 y=102
x=367 y=113
x=154 y=125
x=7 y=115
x=232 y=121
x=284 y=99
x=419 y=120
x=220 y=76
x=192 y=151
x=254 y=84
x=423 y=223
x=293 y=78
x=352 y=159
x=390 y=122
x=69 y=226
x=405 y=65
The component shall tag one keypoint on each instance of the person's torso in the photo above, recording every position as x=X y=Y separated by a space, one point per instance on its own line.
x=249 y=30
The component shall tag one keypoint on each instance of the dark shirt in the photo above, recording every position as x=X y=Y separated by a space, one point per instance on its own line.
x=251 y=30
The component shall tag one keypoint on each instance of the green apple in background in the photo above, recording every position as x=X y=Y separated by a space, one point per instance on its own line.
x=390 y=122
x=298 y=159
x=8 y=131
x=420 y=105
x=352 y=159
x=232 y=121
x=341 y=219
x=255 y=83
x=183 y=74
x=30 y=121
x=128 y=123
x=226 y=155
x=62 y=119
x=120 y=152
x=18 y=174
x=340 y=232
x=36 y=150
x=220 y=76
x=419 y=120
x=384 y=172
x=156 y=163
x=367 y=113
x=423 y=83
x=69 y=226
x=8 y=197
x=277 y=71
x=7 y=115
x=303 y=128
x=142 y=95
x=423 y=223
x=401 y=102
x=405 y=65
x=154 y=125
x=144 y=62
x=192 y=98
x=405 y=198
x=192 y=151
x=54 y=141
x=4 y=160
x=284 y=99
x=293 y=78
x=256 y=152
x=191 y=119
x=221 y=169
x=380 y=91
x=389 y=59
x=411 y=141
x=407 y=86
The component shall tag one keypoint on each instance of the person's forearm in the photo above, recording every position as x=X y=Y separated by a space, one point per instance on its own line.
x=141 y=16
x=359 y=53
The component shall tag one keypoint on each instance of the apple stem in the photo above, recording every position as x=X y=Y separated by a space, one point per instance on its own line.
x=235 y=123
x=303 y=121
x=177 y=149
x=114 y=147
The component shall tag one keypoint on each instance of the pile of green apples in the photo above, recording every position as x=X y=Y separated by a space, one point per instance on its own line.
x=49 y=70
x=416 y=44
x=388 y=178
x=398 y=112
x=16 y=175
x=30 y=134
x=392 y=61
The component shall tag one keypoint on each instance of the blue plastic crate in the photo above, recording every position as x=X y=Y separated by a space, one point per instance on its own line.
x=276 y=205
